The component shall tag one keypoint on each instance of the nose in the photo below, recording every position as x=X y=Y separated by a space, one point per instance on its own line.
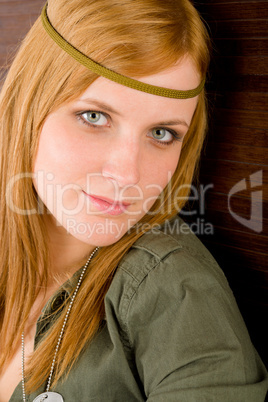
x=124 y=163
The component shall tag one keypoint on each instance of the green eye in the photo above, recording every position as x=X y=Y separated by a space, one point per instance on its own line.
x=96 y=118
x=162 y=135
x=93 y=117
x=159 y=133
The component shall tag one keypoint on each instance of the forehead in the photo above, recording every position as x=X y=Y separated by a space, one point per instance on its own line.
x=182 y=76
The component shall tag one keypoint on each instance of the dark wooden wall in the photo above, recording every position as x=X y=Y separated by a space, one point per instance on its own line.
x=237 y=144
x=237 y=148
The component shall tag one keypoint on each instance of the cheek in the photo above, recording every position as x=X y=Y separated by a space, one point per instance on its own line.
x=65 y=154
x=56 y=150
x=159 y=175
x=162 y=169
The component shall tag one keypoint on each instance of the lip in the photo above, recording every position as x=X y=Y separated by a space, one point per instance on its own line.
x=107 y=205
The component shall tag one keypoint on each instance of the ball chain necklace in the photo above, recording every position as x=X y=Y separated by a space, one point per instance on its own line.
x=53 y=396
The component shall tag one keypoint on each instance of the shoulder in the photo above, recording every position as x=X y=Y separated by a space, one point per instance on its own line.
x=171 y=248
x=167 y=262
x=173 y=309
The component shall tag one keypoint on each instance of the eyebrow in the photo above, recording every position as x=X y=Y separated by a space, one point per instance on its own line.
x=109 y=109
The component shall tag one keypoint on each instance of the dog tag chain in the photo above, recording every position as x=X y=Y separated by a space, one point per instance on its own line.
x=53 y=396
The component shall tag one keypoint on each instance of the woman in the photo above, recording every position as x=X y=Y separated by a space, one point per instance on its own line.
x=103 y=298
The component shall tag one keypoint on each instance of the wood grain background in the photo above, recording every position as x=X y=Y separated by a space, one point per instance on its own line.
x=237 y=145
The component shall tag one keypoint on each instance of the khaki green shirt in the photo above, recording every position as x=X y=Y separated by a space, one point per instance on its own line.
x=173 y=332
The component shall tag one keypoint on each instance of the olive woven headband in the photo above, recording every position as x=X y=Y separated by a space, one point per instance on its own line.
x=110 y=74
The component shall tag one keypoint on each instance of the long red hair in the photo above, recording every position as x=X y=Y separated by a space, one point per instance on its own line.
x=148 y=36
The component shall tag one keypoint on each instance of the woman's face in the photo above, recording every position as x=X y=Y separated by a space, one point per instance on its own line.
x=104 y=158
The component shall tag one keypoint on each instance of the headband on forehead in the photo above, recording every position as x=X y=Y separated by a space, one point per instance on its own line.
x=110 y=74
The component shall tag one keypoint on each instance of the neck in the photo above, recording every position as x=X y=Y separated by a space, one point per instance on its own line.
x=67 y=254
